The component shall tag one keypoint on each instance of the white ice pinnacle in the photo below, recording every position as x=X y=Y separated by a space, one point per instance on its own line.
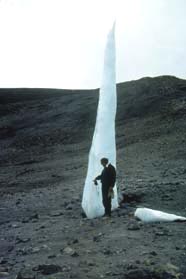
x=103 y=143
x=148 y=215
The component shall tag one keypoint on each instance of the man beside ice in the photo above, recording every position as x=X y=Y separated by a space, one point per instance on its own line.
x=108 y=179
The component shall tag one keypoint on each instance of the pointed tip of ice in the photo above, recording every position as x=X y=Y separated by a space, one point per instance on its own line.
x=111 y=32
x=113 y=25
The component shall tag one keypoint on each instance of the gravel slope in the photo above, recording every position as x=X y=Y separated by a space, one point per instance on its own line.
x=45 y=136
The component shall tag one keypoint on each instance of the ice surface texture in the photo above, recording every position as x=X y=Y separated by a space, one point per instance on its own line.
x=103 y=143
x=148 y=215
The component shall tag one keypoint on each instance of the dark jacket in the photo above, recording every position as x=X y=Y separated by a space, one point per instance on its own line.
x=107 y=177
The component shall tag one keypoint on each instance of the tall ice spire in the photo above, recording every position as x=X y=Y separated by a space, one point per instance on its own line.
x=103 y=143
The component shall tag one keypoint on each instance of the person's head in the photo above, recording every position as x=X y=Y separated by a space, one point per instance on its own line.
x=104 y=162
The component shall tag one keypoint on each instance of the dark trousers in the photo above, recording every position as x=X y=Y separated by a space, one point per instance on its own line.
x=107 y=204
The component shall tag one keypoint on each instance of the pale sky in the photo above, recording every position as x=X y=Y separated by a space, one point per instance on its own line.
x=60 y=43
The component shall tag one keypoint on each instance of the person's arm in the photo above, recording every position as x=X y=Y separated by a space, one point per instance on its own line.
x=97 y=178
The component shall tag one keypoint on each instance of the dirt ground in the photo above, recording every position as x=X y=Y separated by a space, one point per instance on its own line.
x=45 y=136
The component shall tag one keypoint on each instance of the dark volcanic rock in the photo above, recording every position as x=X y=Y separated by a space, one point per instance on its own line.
x=159 y=272
x=47 y=269
x=25 y=274
x=133 y=226
x=131 y=197
x=21 y=240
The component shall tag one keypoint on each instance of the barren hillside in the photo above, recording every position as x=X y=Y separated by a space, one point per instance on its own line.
x=45 y=136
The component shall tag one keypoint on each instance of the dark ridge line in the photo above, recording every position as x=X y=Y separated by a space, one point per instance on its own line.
x=89 y=89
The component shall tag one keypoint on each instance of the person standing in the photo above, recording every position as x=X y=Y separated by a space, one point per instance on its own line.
x=108 y=179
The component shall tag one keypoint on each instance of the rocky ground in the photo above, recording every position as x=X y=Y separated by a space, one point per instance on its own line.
x=45 y=136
